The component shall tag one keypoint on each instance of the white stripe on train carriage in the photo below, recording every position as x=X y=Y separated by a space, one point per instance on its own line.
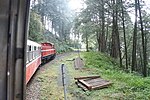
x=32 y=61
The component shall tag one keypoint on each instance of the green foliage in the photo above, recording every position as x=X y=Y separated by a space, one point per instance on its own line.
x=99 y=60
x=126 y=86
x=35 y=27
x=57 y=13
x=63 y=48
x=95 y=24
x=60 y=45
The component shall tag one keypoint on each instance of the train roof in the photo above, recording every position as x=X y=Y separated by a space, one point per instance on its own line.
x=29 y=42
x=47 y=43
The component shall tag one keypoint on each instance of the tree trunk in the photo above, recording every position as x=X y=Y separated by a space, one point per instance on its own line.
x=124 y=33
x=100 y=34
x=134 y=40
x=107 y=42
x=143 y=43
x=103 y=44
x=87 y=46
x=117 y=34
x=114 y=45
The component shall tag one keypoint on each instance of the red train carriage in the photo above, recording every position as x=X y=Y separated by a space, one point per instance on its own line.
x=33 y=58
x=48 y=51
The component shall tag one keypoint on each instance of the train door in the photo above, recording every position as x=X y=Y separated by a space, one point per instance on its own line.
x=13 y=33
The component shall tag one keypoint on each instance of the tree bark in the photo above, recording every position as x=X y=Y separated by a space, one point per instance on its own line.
x=117 y=34
x=103 y=41
x=87 y=46
x=124 y=33
x=134 y=40
x=114 y=45
x=143 y=43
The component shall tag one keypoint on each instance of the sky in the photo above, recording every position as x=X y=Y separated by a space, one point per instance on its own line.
x=76 y=5
x=147 y=2
x=147 y=8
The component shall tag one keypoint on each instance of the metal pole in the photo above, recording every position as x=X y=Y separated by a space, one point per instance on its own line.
x=4 y=33
x=64 y=81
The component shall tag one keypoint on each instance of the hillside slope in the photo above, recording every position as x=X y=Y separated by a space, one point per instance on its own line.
x=126 y=86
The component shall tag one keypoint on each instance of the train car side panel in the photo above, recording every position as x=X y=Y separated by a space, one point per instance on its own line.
x=32 y=67
x=33 y=59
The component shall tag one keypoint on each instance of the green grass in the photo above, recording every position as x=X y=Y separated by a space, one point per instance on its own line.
x=126 y=86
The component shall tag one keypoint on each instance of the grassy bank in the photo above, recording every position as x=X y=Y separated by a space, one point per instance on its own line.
x=125 y=86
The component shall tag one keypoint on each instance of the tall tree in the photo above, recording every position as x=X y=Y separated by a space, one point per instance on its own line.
x=124 y=33
x=143 y=42
x=114 y=44
x=103 y=41
x=134 y=40
x=117 y=38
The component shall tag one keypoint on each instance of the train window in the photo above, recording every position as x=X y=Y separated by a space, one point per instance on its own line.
x=34 y=48
x=29 y=48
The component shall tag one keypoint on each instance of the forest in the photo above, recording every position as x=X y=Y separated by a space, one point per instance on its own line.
x=117 y=28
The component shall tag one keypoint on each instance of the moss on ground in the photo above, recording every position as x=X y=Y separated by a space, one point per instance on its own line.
x=125 y=86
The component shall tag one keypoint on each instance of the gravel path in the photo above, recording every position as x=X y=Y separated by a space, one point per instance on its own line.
x=33 y=87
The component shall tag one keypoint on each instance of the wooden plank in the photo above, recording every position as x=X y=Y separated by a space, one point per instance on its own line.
x=86 y=77
x=92 y=82
x=81 y=86
x=96 y=81
x=101 y=86
x=88 y=86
